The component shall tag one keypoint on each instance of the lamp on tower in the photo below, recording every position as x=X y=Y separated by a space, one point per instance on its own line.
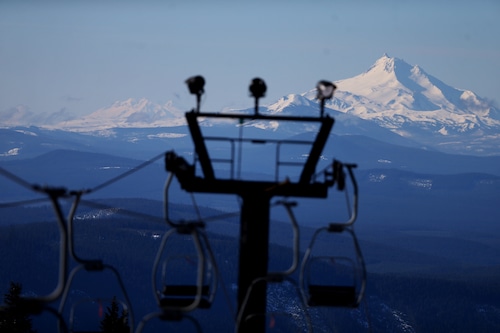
x=257 y=90
x=195 y=85
x=325 y=91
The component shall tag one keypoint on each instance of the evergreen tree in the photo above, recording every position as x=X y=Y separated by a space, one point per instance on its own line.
x=113 y=322
x=13 y=318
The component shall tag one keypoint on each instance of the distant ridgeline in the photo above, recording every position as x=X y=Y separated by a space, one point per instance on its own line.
x=392 y=101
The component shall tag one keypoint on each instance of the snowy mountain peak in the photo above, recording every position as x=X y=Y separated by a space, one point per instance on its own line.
x=396 y=85
x=387 y=65
x=414 y=104
x=290 y=101
x=128 y=113
x=137 y=104
x=396 y=73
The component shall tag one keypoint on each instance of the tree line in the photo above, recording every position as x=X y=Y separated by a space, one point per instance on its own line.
x=15 y=318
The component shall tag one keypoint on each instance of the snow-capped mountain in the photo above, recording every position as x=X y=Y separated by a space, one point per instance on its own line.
x=414 y=104
x=140 y=113
x=392 y=101
x=294 y=104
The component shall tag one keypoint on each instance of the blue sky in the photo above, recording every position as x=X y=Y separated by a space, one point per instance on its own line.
x=83 y=55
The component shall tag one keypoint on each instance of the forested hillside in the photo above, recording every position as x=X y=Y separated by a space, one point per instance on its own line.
x=451 y=296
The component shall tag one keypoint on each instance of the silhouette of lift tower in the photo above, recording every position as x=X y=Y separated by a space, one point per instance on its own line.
x=256 y=195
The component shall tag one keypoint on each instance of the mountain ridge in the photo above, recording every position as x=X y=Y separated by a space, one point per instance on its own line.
x=391 y=95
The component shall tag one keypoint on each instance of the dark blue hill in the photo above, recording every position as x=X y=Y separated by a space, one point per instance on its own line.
x=77 y=170
x=370 y=153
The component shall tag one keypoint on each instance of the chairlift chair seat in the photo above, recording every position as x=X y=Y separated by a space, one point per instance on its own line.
x=180 y=296
x=331 y=295
x=184 y=302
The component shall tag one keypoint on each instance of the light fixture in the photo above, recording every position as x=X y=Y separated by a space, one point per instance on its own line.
x=257 y=90
x=325 y=91
x=196 y=85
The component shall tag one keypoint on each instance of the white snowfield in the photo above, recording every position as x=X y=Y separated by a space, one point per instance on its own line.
x=394 y=94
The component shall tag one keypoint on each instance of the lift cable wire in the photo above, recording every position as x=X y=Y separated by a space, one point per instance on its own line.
x=11 y=176
x=126 y=174
x=22 y=202
x=16 y=179
x=79 y=193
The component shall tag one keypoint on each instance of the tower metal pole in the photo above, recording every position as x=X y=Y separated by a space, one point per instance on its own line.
x=253 y=258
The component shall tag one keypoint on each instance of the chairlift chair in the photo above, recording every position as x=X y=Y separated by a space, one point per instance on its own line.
x=90 y=265
x=176 y=298
x=37 y=305
x=180 y=296
x=347 y=280
x=346 y=274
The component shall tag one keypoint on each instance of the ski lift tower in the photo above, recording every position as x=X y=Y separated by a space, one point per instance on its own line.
x=256 y=195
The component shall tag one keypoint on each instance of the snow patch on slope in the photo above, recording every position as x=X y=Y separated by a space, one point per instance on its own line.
x=128 y=114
